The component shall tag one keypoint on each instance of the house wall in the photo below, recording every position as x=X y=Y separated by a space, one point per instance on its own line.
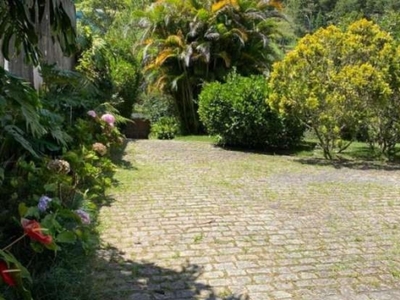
x=51 y=51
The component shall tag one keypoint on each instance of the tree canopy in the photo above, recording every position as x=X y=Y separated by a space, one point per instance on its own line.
x=310 y=15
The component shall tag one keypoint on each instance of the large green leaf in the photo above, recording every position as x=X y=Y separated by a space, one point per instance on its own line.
x=67 y=237
x=18 y=136
x=20 y=21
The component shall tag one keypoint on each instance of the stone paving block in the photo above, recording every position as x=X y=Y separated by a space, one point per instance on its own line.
x=194 y=221
x=213 y=275
x=384 y=295
x=281 y=295
x=259 y=288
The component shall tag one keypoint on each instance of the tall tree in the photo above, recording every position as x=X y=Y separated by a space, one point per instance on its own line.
x=187 y=43
x=309 y=15
x=337 y=79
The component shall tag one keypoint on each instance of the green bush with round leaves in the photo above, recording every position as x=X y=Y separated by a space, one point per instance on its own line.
x=236 y=112
x=166 y=128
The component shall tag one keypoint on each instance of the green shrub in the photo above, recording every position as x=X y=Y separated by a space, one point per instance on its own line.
x=340 y=79
x=236 y=111
x=165 y=128
x=114 y=72
x=126 y=79
x=155 y=105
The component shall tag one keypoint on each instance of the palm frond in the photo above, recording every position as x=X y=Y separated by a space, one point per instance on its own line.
x=262 y=37
x=60 y=136
x=174 y=40
x=195 y=28
x=160 y=83
x=19 y=27
x=224 y=55
x=255 y=15
x=54 y=121
x=239 y=34
x=204 y=50
x=274 y=4
x=212 y=33
x=186 y=55
x=174 y=82
x=60 y=78
x=221 y=4
x=163 y=56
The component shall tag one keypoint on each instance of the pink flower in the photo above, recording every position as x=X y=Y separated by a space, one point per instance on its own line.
x=108 y=118
x=92 y=113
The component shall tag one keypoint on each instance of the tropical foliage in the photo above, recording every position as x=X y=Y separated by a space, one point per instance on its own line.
x=187 y=43
x=105 y=37
x=54 y=168
x=54 y=157
x=20 y=30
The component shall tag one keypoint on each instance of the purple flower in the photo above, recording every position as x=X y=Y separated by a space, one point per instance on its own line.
x=92 y=113
x=108 y=118
x=43 y=204
x=85 y=218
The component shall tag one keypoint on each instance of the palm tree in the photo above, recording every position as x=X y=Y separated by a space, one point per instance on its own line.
x=187 y=43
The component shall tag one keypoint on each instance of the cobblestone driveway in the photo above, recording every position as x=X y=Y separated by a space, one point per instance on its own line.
x=192 y=221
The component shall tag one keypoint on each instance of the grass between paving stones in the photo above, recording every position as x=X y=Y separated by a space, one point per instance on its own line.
x=232 y=176
x=359 y=151
x=197 y=138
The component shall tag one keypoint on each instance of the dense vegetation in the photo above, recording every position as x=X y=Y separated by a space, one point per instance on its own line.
x=55 y=164
x=310 y=15
x=338 y=80
x=236 y=113
x=187 y=43
x=298 y=63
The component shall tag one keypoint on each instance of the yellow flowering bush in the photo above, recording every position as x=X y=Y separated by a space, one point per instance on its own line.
x=335 y=80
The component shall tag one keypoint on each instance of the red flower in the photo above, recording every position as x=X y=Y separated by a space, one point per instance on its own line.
x=5 y=274
x=34 y=231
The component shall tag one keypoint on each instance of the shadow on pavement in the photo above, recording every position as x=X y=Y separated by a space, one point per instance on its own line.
x=350 y=164
x=304 y=146
x=117 y=278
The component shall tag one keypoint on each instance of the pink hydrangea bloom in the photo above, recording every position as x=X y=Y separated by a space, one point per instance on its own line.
x=92 y=113
x=108 y=118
